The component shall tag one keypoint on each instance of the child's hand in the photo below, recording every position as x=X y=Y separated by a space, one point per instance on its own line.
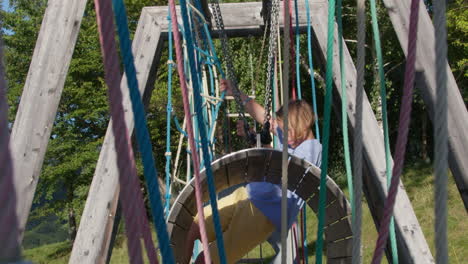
x=226 y=85
x=240 y=128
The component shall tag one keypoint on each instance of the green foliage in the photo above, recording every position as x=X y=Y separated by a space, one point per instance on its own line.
x=457 y=36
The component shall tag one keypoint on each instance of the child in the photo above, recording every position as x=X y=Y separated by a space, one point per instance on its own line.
x=251 y=214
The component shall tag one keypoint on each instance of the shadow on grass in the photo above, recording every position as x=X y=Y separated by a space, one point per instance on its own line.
x=61 y=250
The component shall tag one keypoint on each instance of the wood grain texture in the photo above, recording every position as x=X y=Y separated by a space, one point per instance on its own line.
x=41 y=96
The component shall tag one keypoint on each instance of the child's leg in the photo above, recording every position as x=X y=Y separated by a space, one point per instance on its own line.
x=226 y=208
x=248 y=228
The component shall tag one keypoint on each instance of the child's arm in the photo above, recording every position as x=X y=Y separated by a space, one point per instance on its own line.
x=251 y=106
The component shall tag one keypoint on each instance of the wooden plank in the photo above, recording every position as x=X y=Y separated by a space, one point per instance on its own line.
x=338 y=230
x=187 y=199
x=340 y=249
x=91 y=242
x=347 y=260
x=178 y=238
x=297 y=169
x=236 y=167
x=411 y=245
x=220 y=178
x=256 y=165
x=180 y=216
x=274 y=168
x=425 y=63
x=41 y=95
x=308 y=186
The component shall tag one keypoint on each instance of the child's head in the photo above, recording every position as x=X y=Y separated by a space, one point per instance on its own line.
x=301 y=120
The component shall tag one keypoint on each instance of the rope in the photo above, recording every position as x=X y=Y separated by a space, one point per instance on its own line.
x=284 y=177
x=298 y=64
x=135 y=219
x=383 y=94
x=403 y=127
x=326 y=132
x=344 y=105
x=441 y=133
x=168 y=122
x=10 y=249
x=303 y=235
x=311 y=67
x=291 y=49
x=198 y=191
x=142 y=134
x=357 y=142
x=203 y=134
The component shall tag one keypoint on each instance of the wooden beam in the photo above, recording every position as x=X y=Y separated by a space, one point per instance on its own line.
x=94 y=234
x=243 y=19
x=40 y=98
x=425 y=63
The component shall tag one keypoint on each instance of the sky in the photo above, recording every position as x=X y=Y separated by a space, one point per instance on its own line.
x=5 y=4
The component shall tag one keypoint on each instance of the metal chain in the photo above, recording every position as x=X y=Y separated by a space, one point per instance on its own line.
x=274 y=13
x=271 y=58
x=227 y=59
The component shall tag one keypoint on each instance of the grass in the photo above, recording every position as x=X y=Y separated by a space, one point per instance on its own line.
x=419 y=187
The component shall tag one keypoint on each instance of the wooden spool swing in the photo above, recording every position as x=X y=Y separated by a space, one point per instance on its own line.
x=261 y=164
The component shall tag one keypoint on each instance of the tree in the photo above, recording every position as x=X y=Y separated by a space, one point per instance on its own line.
x=82 y=116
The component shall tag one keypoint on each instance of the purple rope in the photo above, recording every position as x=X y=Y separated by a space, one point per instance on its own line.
x=405 y=117
x=132 y=199
x=188 y=118
x=9 y=232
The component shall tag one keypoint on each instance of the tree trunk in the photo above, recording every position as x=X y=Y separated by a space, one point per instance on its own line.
x=71 y=224
x=424 y=154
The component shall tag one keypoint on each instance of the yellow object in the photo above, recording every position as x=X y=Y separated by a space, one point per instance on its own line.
x=243 y=225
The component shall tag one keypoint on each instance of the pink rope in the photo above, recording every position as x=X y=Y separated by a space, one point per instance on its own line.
x=405 y=117
x=188 y=118
x=132 y=199
x=9 y=232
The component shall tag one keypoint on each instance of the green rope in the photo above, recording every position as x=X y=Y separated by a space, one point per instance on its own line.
x=344 y=105
x=326 y=132
x=383 y=93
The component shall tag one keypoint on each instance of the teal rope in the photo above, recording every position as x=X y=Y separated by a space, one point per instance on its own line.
x=311 y=67
x=168 y=121
x=142 y=133
x=206 y=160
x=326 y=132
x=298 y=69
x=344 y=106
x=383 y=94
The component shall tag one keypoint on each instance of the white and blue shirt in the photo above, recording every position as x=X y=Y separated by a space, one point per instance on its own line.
x=267 y=196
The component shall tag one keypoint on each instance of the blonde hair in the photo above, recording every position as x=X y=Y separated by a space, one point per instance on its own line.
x=301 y=118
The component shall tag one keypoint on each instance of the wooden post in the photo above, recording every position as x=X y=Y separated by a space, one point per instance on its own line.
x=40 y=98
x=425 y=63
x=94 y=234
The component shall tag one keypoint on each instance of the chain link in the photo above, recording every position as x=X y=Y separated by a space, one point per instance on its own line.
x=271 y=58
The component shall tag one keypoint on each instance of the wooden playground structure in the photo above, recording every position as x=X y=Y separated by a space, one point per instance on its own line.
x=43 y=88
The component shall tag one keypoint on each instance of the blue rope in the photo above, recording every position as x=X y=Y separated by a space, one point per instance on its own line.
x=168 y=124
x=206 y=159
x=142 y=133
x=311 y=67
x=298 y=70
x=326 y=133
